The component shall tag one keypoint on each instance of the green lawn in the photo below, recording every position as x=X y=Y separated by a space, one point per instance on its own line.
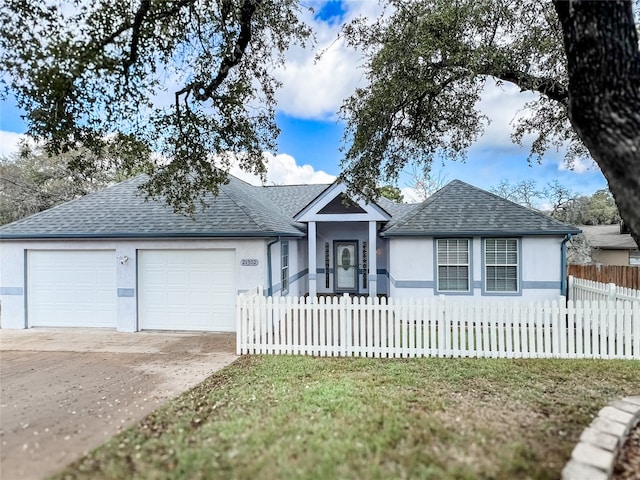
x=284 y=417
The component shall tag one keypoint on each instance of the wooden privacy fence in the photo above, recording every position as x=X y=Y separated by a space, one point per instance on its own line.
x=582 y=289
x=440 y=327
x=621 y=275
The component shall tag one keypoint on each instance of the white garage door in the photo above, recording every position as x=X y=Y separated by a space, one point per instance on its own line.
x=71 y=288
x=186 y=290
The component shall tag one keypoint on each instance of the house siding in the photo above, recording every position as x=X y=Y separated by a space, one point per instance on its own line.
x=297 y=268
x=609 y=257
x=412 y=271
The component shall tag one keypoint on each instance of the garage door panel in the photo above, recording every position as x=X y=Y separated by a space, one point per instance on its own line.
x=71 y=288
x=186 y=289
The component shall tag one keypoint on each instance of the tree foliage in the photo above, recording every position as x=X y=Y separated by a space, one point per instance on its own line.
x=187 y=79
x=599 y=209
x=560 y=202
x=392 y=193
x=428 y=62
x=33 y=181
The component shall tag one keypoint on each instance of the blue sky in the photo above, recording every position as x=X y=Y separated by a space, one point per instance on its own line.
x=308 y=147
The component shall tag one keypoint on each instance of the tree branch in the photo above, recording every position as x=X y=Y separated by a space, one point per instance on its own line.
x=135 y=35
x=139 y=18
x=547 y=86
x=249 y=7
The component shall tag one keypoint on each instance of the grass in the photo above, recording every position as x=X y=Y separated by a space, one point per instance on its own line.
x=283 y=417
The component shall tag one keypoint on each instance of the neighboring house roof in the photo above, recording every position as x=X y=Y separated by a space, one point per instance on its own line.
x=462 y=209
x=244 y=210
x=607 y=237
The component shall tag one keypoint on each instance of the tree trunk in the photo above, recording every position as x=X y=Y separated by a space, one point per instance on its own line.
x=603 y=63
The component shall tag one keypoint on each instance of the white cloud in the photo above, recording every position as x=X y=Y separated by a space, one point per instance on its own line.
x=316 y=88
x=283 y=170
x=9 y=142
x=580 y=165
x=502 y=105
x=410 y=195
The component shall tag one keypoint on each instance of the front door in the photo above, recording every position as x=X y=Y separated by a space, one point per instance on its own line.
x=345 y=276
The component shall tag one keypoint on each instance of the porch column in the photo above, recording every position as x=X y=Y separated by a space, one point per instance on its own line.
x=373 y=267
x=311 y=244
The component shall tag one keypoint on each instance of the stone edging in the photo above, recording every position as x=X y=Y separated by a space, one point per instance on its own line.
x=595 y=454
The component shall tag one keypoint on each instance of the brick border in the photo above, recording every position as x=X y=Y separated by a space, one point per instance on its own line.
x=595 y=454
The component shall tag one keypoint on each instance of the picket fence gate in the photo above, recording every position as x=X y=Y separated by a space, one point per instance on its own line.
x=440 y=327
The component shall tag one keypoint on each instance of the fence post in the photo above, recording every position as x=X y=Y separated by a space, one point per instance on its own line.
x=611 y=292
x=570 y=286
x=343 y=324
x=442 y=327
x=239 y=321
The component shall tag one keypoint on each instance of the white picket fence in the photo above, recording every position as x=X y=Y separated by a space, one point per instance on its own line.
x=588 y=290
x=441 y=327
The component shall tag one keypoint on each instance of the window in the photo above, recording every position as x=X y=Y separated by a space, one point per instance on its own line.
x=285 y=267
x=501 y=264
x=453 y=265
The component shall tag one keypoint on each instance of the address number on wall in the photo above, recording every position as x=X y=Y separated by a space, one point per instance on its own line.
x=249 y=262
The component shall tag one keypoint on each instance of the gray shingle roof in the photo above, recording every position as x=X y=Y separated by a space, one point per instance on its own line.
x=395 y=209
x=462 y=209
x=608 y=237
x=243 y=210
x=291 y=198
x=240 y=209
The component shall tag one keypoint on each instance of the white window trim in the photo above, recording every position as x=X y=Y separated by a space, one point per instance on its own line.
x=284 y=269
x=487 y=265
x=468 y=265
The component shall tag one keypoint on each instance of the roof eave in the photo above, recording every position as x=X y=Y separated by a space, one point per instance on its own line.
x=479 y=233
x=124 y=235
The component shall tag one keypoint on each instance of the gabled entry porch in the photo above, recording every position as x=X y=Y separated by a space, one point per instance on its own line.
x=345 y=252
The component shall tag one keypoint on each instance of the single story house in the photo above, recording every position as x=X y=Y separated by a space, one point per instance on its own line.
x=610 y=245
x=112 y=259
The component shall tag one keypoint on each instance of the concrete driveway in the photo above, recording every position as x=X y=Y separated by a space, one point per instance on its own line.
x=66 y=391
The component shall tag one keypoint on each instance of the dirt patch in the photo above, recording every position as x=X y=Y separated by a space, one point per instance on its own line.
x=65 y=392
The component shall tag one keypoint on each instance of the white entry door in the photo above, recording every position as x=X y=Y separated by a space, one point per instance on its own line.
x=71 y=288
x=187 y=290
x=346 y=266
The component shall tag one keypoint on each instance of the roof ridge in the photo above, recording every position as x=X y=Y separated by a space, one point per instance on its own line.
x=249 y=212
x=266 y=220
x=523 y=207
x=461 y=208
x=404 y=218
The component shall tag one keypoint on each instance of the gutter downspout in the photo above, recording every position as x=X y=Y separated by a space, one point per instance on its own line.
x=269 y=273
x=563 y=266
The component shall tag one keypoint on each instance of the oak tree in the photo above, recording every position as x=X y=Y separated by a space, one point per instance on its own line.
x=429 y=61
x=187 y=84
